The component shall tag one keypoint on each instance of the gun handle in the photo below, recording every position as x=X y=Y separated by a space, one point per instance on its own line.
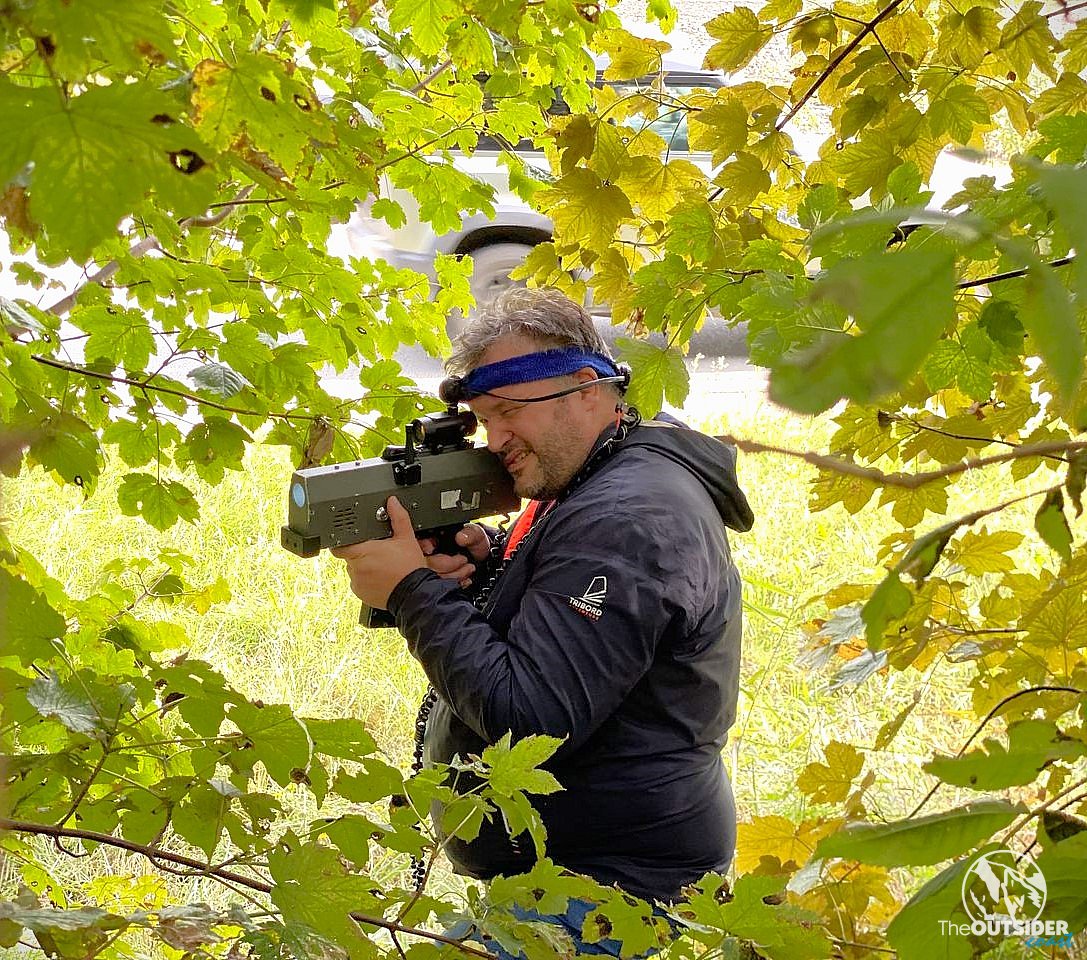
x=445 y=540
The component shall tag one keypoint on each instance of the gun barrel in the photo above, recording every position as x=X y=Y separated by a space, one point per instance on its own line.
x=344 y=503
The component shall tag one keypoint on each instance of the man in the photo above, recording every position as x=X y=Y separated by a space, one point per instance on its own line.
x=614 y=621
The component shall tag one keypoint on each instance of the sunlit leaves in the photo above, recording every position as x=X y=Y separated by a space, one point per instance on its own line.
x=257 y=110
x=585 y=209
x=739 y=36
x=160 y=502
x=662 y=375
x=831 y=782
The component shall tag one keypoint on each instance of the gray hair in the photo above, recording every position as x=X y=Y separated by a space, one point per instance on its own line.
x=547 y=316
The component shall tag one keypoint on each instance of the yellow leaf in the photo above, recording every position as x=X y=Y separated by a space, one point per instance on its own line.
x=743 y=179
x=1026 y=41
x=867 y=164
x=907 y=32
x=985 y=552
x=740 y=36
x=1075 y=42
x=830 y=782
x=769 y=837
x=966 y=38
x=656 y=187
x=609 y=157
x=585 y=209
x=1060 y=621
x=911 y=504
x=720 y=128
x=630 y=57
x=1068 y=97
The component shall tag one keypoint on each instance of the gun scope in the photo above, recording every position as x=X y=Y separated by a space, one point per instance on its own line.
x=441 y=430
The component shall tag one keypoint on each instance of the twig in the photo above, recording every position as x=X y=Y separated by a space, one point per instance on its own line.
x=1010 y=274
x=981 y=726
x=1041 y=808
x=433 y=75
x=63 y=306
x=44 y=829
x=143 y=385
x=909 y=481
x=837 y=62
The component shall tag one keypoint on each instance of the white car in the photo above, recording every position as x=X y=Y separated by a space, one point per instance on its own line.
x=499 y=245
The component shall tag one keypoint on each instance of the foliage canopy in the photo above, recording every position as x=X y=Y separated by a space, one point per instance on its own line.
x=195 y=157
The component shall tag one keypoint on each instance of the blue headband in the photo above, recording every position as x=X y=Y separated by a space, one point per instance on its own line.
x=536 y=366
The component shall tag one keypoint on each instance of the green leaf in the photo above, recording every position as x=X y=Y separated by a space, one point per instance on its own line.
x=160 y=503
x=426 y=19
x=1064 y=866
x=513 y=769
x=1064 y=189
x=255 y=102
x=1076 y=480
x=883 y=292
x=911 y=931
x=920 y=841
x=345 y=738
x=107 y=134
x=1052 y=524
x=218 y=378
x=69 y=447
x=957 y=111
x=1050 y=318
x=121 y=336
x=1032 y=744
x=88 y=33
x=72 y=707
x=213 y=447
x=739 y=36
x=890 y=601
x=276 y=737
x=754 y=912
x=27 y=621
x=659 y=374
x=313 y=887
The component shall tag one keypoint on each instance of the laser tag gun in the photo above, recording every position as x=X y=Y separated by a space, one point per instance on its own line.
x=439 y=475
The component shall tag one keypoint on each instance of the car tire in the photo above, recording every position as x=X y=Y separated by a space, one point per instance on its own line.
x=491 y=266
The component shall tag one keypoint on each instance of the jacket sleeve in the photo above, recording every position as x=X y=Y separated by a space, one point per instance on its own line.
x=586 y=631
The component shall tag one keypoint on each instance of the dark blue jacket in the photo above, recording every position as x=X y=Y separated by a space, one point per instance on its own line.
x=617 y=626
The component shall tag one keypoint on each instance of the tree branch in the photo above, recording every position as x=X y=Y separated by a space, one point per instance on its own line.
x=910 y=481
x=433 y=75
x=63 y=306
x=981 y=726
x=1010 y=274
x=46 y=830
x=837 y=62
x=143 y=385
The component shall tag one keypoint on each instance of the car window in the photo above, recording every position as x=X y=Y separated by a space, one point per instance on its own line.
x=670 y=124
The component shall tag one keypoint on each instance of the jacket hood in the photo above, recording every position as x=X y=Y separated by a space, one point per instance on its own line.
x=713 y=462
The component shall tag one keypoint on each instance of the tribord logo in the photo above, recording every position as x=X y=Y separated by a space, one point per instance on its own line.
x=1003 y=894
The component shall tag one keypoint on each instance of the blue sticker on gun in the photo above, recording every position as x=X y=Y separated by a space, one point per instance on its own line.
x=298 y=492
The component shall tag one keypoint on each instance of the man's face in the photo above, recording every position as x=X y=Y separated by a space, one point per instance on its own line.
x=542 y=445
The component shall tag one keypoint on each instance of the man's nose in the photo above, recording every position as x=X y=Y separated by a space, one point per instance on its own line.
x=497 y=438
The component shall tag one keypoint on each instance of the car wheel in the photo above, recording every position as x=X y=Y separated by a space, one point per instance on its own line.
x=491 y=266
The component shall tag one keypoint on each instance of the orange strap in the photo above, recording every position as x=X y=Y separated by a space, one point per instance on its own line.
x=522 y=525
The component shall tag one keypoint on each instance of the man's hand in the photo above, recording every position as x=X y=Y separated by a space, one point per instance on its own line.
x=456 y=566
x=377 y=566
